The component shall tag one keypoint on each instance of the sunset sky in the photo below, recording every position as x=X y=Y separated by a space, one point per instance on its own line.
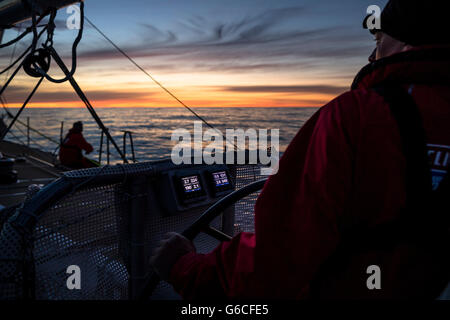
x=210 y=53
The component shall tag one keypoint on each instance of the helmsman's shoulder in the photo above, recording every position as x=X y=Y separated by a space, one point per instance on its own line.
x=354 y=105
x=355 y=99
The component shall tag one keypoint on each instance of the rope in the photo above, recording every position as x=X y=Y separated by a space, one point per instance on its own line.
x=17 y=60
x=48 y=46
x=20 y=66
x=28 y=49
x=10 y=78
x=15 y=40
x=13 y=53
x=23 y=34
x=49 y=43
x=35 y=33
x=3 y=99
x=155 y=81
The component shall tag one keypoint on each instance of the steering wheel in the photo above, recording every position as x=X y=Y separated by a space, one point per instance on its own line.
x=202 y=225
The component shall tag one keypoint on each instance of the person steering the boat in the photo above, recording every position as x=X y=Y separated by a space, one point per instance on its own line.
x=70 y=152
x=344 y=173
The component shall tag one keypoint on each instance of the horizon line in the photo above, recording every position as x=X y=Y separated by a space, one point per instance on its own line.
x=171 y=107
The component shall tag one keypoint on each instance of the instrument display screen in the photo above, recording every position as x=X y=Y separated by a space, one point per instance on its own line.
x=220 y=179
x=191 y=184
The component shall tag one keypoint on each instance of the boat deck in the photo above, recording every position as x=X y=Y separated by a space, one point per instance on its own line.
x=33 y=167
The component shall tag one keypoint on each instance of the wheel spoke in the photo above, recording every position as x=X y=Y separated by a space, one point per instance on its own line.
x=216 y=234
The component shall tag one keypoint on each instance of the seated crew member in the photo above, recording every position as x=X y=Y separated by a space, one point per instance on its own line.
x=345 y=170
x=70 y=152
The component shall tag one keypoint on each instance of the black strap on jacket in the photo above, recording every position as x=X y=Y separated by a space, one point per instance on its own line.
x=424 y=217
x=425 y=220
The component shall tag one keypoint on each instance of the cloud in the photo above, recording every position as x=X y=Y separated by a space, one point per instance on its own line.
x=272 y=42
x=17 y=94
x=248 y=67
x=251 y=29
x=156 y=36
x=322 y=89
x=262 y=41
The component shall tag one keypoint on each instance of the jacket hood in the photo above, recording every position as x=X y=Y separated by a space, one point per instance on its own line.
x=426 y=65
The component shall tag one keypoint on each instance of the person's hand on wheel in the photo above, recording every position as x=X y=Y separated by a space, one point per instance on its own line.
x=171 y=248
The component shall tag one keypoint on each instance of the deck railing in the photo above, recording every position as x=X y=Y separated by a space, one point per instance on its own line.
x=127 y=136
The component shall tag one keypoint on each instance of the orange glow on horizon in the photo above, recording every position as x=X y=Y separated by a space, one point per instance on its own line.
x=196 y=90
x=128 y=104
x=263 y=100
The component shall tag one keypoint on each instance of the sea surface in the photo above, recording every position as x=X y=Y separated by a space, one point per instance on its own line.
x=152 y=127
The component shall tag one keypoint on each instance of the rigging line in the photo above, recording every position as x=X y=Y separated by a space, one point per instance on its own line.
x=49 y=42
x=40 y=146
x=13 y=53
x=5 y=102
x=83 y=98
x=26 y=135
x=4 y=133
x=35 y=34
x=2 y=89
x=20 y=36
x=22 y=55
x=9 y=114
x=3 y=99
x=34 y=25
x=26 y=51
x=154 y=80
x=17 y=138
x=20 y=130
x=15 y=40
x=39 y=133
x=25 y=125
x=17 y=60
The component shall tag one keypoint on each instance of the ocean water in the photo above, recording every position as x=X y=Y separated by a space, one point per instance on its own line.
x=152 y=127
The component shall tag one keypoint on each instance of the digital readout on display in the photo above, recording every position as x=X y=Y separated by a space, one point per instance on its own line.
x=191 y=184
x=220 y=178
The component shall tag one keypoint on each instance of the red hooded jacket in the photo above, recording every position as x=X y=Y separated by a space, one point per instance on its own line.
x=345 y=167
x=70 y=152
